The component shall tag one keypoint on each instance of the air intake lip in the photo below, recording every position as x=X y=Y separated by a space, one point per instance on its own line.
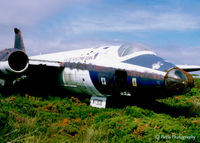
x=18 y=61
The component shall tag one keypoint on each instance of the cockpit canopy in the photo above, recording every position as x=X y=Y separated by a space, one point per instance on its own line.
x=129 y=48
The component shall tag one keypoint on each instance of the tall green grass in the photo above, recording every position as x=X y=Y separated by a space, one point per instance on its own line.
x=66 y=118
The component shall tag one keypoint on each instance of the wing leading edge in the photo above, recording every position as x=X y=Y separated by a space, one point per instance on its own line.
x=36 y=62
x=189 y=68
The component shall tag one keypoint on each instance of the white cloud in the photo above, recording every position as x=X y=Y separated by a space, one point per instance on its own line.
x=30 y=12
x=179 y=55
x=26 y=13
x=133 y=21
x=61 y=44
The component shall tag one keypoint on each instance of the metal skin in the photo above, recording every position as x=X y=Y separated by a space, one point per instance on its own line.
x=14 y=60
x=177 y=79
x=108 y=80
x=101 y=72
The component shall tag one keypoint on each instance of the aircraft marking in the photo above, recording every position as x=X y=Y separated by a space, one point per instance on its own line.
x=134 y=82
x=103 y=80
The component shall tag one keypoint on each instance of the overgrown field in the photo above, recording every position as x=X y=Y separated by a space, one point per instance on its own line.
x=65 y=118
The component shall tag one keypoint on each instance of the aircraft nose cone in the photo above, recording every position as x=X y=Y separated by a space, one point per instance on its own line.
x=178 y=80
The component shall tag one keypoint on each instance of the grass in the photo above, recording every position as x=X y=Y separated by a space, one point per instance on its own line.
x=42 y=118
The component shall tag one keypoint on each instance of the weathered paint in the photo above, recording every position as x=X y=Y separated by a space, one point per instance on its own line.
x=14 y=60
x=101 y=71
x=177 y=79
x=99 y=102
x=4 y=54
x=79 y=81
x=103 y=78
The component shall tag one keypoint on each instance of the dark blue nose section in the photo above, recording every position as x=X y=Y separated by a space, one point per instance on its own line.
x=177 y=80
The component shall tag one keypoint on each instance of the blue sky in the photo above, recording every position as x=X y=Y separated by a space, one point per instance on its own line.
x=171 y=28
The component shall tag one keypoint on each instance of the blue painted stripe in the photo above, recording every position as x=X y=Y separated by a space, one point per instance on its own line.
x=146 y=82
x=150 y=60
x=143 y=81
x=151 y=80
x=96 y=76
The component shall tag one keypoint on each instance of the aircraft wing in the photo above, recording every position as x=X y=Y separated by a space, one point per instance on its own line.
x=43 y=73
x=38 y=66
x=37 y=62
x=189 y=68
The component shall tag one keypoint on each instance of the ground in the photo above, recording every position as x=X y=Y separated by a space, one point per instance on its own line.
x=62 y=117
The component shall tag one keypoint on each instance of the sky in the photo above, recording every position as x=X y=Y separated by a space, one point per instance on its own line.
x=171 y=28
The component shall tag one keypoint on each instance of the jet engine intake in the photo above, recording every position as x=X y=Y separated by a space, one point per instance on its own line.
x=16 y=62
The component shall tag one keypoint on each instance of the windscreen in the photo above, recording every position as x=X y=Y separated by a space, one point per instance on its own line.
x=127 y=49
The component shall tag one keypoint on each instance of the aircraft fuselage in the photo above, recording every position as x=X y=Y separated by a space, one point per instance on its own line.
x=100 y=72
x=103 y=72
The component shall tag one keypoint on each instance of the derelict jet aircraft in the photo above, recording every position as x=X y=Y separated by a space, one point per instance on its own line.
x=99 y=72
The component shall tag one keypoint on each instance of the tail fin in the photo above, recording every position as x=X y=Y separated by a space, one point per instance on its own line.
x=19 y=44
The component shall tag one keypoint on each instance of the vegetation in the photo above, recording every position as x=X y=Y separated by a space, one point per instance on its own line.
x=34 y=117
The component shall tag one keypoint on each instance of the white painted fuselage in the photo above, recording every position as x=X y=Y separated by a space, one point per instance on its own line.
x=79 y=80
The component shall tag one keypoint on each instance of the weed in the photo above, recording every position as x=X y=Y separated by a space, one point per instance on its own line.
x=44 y=118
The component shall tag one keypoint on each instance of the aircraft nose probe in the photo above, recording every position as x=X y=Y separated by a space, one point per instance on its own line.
x=177 y=80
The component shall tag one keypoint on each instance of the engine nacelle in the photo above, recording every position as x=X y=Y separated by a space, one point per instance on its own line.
x=13 y=61
x=78 y=81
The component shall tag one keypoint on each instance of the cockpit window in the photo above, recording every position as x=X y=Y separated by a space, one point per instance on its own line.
x=105 y=47
x=127 y=49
